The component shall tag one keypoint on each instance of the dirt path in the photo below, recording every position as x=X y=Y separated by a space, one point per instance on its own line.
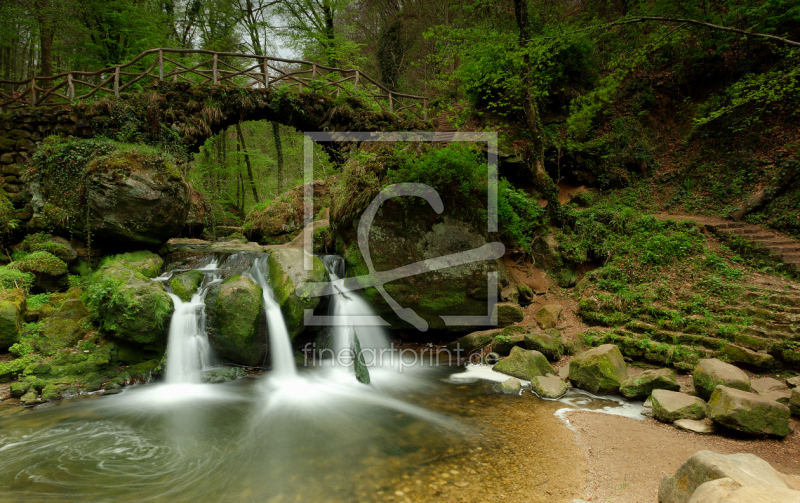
x=628 y=458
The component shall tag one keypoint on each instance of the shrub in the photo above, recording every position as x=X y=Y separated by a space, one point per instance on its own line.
x=14 y=278
x=41 y=262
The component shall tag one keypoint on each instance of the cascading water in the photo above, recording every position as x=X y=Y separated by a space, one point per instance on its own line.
x=280 y=345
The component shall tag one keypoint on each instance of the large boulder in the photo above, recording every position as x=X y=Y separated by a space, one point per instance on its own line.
x=669 y=406
x=57 y=333
x=502 y=344
x=745 y=356
x=748 y=412
x=235 y=315
x=50 y=271
x=547 y=316
x=59 y=247
x=524 y=364
x=128 y=306
x=462 y=347
x=185 y=285
x=771 y=388
x=710 y=373
x=548 y=343
x=279 y=221
x=599 y=370
x=12 y=316
x=794 y=402
x=548 y=386
x=507 y=313
x=743 y=470
x=144 y=262
x=642 y=385
x=286 y=277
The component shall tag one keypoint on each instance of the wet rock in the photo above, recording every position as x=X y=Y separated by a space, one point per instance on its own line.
x=128 y=306
x=472 y=342
x=548 y=386
x=359 y=365
x=12 y=317
x=30 y=399
x=510 y=386
x=524 y=364
x=58 y=333
x=548 y=343
x=702 y=426
x=748 y=412
x=287 y=276
x=547 y=316
x=794 y=402
x=642 y=385
x=214 y=376
x=507 y=313
x=502 y=344
x=186 y=284
x=669 y=406
x=710 y=373
x=144 y=262
x=235 y=312
x=599 y=370
x=746 y=470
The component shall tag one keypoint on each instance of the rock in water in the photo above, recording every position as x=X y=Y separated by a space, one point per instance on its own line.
x=359 y=365
x=599 y=370
x=704 y=466
x=748 y=412
x=510 y=386
x=502 y=344
x=548 y=386
x=642 y=385
x=235 y=312
x=669 y=406
x=547 y=316
x=286 y=274
x=710 y=373
x=185 y=285
x=701 y=426
x=472 y=342
x=524 y=364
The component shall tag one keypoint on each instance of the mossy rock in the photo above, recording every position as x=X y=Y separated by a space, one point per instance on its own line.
x=50 y=271
x=128 y=306
x=794 y=402
x=548 y=343
x=748 y=412
x=524 y=364
x=73 y=309
x=12 y=317
x=235 y=313
x=286 y=274
x=599 y=370
x=144 y=262
x=507 y=313
x=711 y=372
x=669 y=406
x=547 y=316
x=502 y=344
x=57 y=246
x=472 y=342
x=642 y=385
x=548 y=386
x=58 y=333
x=186 y=284
x=214 y=376
x=144 y=370
x=52 y=392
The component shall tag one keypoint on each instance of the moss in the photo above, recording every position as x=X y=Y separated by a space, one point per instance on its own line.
x=14 y=278
x=440 y=301
x=44 y=242
x=144 y=262
x=524 y=364
x=41 y=262
x=234 y=310
x=185 y=285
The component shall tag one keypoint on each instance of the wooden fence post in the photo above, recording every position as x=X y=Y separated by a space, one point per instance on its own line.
x=425 y=109
x=116 y=81
x=266 y=74
x=355 y=86
x=160 y=65
x=70 y=88
x=214 y=70
x=391 y=104
x=313 y=71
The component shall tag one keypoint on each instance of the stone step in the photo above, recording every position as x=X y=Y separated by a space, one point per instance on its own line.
x=748 y=231
x=790 y=257
x=725 y=225
x=772 y=242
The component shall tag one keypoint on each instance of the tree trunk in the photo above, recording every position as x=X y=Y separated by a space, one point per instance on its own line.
x=276 y=132
x=44 y=17
x=330 y=43
x=247 y=162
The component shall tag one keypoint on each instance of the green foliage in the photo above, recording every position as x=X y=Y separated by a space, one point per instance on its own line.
x=40 y=262
x=20 y=349
x=37 y=301
x=519 y=216
x=7 y=221
x=11 y=278
x=454 y=168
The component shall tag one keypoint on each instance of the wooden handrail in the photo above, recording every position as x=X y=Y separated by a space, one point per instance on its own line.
x=258 y=73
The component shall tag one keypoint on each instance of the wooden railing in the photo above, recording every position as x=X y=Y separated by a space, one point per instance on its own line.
x=214 y=68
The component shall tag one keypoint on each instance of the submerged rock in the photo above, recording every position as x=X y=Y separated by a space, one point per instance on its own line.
x=214 y=376
x=669 y=406
x=599 y=370
x=286 y=274
x=642 y=385
x=510 y=386
x=710 y=373
x=548 y=386
x=524 y=364
x=235 y=311
x=748 y=412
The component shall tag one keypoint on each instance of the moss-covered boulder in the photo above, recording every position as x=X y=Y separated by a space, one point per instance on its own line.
x=711 y=372
x=58 y=333
x=642 y=385
x=235 y=314
x=745 y=356
x=510 y=386
x=524 y=364
x=73 y=309
x=12 y=317
x=599 y=370
x=283 y=218
x=128 y=306
x=49 y=270
x=547 y=316
x=144 y=262
x=669 y=406
x=548 y=386
x=185 y=285
x=462 y=347
x=502 y=344
x=548 y=343
x=748 y=412
x=54 y=245
x=286 y=274
x=794 y=402
x=507 y=313
x=214 y=376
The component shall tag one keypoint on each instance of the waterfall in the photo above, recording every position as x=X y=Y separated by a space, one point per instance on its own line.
x=280 y=345
x=188 y=352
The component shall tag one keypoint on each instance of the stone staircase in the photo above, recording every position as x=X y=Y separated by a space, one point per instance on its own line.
x=445 y=123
